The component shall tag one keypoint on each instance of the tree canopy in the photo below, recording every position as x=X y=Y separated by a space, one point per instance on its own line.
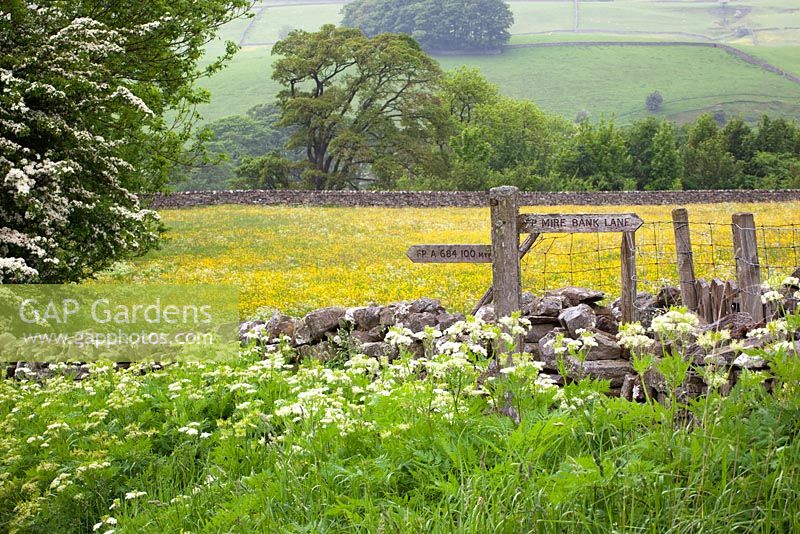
x=435 y=24
x=357 y=104
x=96 y=103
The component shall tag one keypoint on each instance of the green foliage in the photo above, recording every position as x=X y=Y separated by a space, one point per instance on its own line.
x=777 y=135
x=776 y=171
x=653 y=102
x=95 y=106
x=435 y=24
x=655 y=156
x=707 y=163
x=272 y=171
x=463 y=89
x=355 y=102
x=440 y=443
x=666 y=166
x=597 y=155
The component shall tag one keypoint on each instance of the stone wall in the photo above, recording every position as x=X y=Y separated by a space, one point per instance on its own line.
x=430 y=199
x=566 y=313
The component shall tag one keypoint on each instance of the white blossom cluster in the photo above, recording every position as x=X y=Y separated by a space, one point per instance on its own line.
x=677 y=324
x=64 y=210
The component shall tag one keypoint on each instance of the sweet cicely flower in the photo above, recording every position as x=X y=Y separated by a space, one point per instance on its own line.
x=676 y=325
x=516 y=325
x=771 y=296
x=107 y=520
x=715 y=378
x=710 y=340
x=633 y=336
x=361 y=363
x=397 y=336
x=429 y=333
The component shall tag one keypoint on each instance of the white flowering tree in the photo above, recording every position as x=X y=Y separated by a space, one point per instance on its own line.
x=96 y=102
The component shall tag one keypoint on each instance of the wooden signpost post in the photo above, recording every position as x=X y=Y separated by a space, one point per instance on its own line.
x=505 y=251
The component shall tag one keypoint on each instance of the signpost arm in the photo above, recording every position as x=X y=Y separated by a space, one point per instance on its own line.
x=524 y=248
x=506 y=277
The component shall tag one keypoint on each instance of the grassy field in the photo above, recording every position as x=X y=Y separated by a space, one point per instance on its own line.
x=542 y=16
x=358 y=445
x=565 y=80
x=245 y=82
x=784 y=57
x=355 y=256
x=601 y=80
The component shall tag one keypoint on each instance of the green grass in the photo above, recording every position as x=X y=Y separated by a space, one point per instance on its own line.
x=613 y=80
x=262 y=444
x=566 y=80
x=245 y=82
x=648 y=16
x=554 y=37
x=542 y=16
x=784 y=57
x=768 y=14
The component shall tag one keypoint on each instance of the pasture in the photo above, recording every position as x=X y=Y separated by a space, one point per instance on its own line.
x=355 y=256
x=601 y=80
x=441 y=443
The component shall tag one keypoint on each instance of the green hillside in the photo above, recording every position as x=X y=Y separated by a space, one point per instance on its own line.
x=600 y=79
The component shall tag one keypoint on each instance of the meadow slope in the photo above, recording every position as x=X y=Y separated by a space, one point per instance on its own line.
x=357 y=255
x=601 y=80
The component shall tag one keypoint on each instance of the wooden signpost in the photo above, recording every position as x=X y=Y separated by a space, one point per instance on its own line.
x=569 y=223
x=505 y=251
x=450 y=253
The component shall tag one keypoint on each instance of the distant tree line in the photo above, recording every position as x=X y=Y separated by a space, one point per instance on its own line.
x=435 y=24
x=360 y=112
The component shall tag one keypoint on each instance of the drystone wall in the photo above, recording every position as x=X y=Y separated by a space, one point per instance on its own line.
x=430 y=199
x=335 y=332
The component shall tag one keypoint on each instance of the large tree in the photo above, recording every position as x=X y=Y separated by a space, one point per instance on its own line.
x=655 y=157
x=363 y=108
x=436 y=24
x=96 y=102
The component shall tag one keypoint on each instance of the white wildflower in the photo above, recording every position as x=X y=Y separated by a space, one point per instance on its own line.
x=791 y=281
x=399 y=337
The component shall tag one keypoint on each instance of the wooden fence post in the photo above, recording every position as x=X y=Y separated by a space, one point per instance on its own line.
x=629 y=291
x=748 y=269
x=506 y=277
x=683 y=248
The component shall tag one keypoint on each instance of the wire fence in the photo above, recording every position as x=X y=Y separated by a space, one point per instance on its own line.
x=593 y=260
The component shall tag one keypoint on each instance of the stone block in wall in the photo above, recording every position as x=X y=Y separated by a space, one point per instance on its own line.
x=314 y=325
x=538 y=331
x=579 y=317
x=577 y=295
